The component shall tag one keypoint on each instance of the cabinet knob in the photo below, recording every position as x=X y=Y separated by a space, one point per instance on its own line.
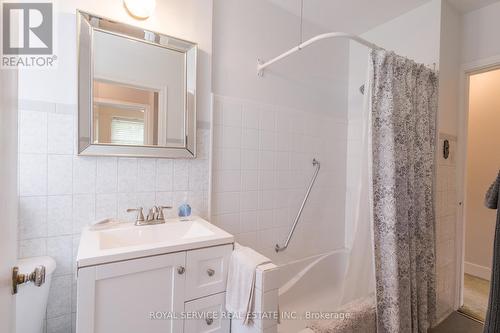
x=209 y=321
x=181 y=269
x=210 y=272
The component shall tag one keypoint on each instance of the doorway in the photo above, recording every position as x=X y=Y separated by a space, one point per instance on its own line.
x=482 y=164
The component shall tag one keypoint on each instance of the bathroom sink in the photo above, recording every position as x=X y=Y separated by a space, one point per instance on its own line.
x=127 y=241
x=134 y=236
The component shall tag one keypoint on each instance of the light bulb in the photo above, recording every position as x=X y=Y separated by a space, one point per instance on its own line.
x=141 y=9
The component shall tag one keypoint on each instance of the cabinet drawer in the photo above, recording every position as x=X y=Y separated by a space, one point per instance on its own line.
x=206 y=271
x=209 y=313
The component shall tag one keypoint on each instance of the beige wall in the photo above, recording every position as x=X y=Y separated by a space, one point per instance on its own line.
x=123 y=93
x=483 y=163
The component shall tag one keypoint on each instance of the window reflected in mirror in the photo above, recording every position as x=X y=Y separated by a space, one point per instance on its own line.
x=125 y=115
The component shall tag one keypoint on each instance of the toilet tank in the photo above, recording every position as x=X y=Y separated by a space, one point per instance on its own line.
x=31 y=301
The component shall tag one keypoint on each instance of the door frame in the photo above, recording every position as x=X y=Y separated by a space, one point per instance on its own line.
x=467 y=69
x=9 y=198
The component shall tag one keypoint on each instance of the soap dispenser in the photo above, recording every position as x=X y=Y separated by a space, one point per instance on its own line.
x=184 y=210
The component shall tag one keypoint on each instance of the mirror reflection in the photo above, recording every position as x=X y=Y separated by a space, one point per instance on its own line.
x=143 y=105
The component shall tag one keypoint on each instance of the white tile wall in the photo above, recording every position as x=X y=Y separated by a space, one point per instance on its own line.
x=446 y=218
x=262 y=165
x=60 y=193
x=353 y=162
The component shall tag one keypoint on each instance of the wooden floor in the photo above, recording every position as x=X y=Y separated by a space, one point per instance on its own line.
x=458 y=323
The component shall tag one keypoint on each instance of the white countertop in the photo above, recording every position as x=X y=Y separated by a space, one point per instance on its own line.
x=126 y=241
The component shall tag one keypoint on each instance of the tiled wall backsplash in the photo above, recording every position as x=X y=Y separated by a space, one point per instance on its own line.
x=61 y=192
x=262 y=165
x=446 y=221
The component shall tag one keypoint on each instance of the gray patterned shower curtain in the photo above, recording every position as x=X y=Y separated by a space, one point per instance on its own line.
x=403 y=107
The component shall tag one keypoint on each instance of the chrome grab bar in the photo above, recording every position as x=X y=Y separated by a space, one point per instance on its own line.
x=279 y=248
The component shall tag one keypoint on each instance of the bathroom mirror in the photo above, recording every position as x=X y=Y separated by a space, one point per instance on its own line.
x=136 y=91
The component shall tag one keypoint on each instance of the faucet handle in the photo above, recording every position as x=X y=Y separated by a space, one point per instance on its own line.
x=152 y=214
x=140 y=214
x=161 y=216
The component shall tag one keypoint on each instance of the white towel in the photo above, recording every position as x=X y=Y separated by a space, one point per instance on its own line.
x=241 y=281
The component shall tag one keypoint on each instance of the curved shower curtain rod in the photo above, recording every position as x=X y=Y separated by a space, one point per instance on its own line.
x=262 y=65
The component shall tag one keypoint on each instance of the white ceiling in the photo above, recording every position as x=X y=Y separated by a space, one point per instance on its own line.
x=358 y=16
x=355 y=16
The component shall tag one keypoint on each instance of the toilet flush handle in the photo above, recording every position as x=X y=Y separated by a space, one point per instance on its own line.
x=37 y=277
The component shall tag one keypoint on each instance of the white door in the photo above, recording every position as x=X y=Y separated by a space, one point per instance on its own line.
x=140 y=295
x=8 y=195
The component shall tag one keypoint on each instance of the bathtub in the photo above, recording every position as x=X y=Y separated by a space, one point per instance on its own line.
x=313 y=284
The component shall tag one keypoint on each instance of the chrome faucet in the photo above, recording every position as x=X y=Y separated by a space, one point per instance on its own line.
x=155 y=215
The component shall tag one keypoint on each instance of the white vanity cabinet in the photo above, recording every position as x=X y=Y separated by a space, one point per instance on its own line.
x=155 y=294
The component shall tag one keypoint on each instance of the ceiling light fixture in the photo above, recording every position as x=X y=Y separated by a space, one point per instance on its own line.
x=141 y=9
